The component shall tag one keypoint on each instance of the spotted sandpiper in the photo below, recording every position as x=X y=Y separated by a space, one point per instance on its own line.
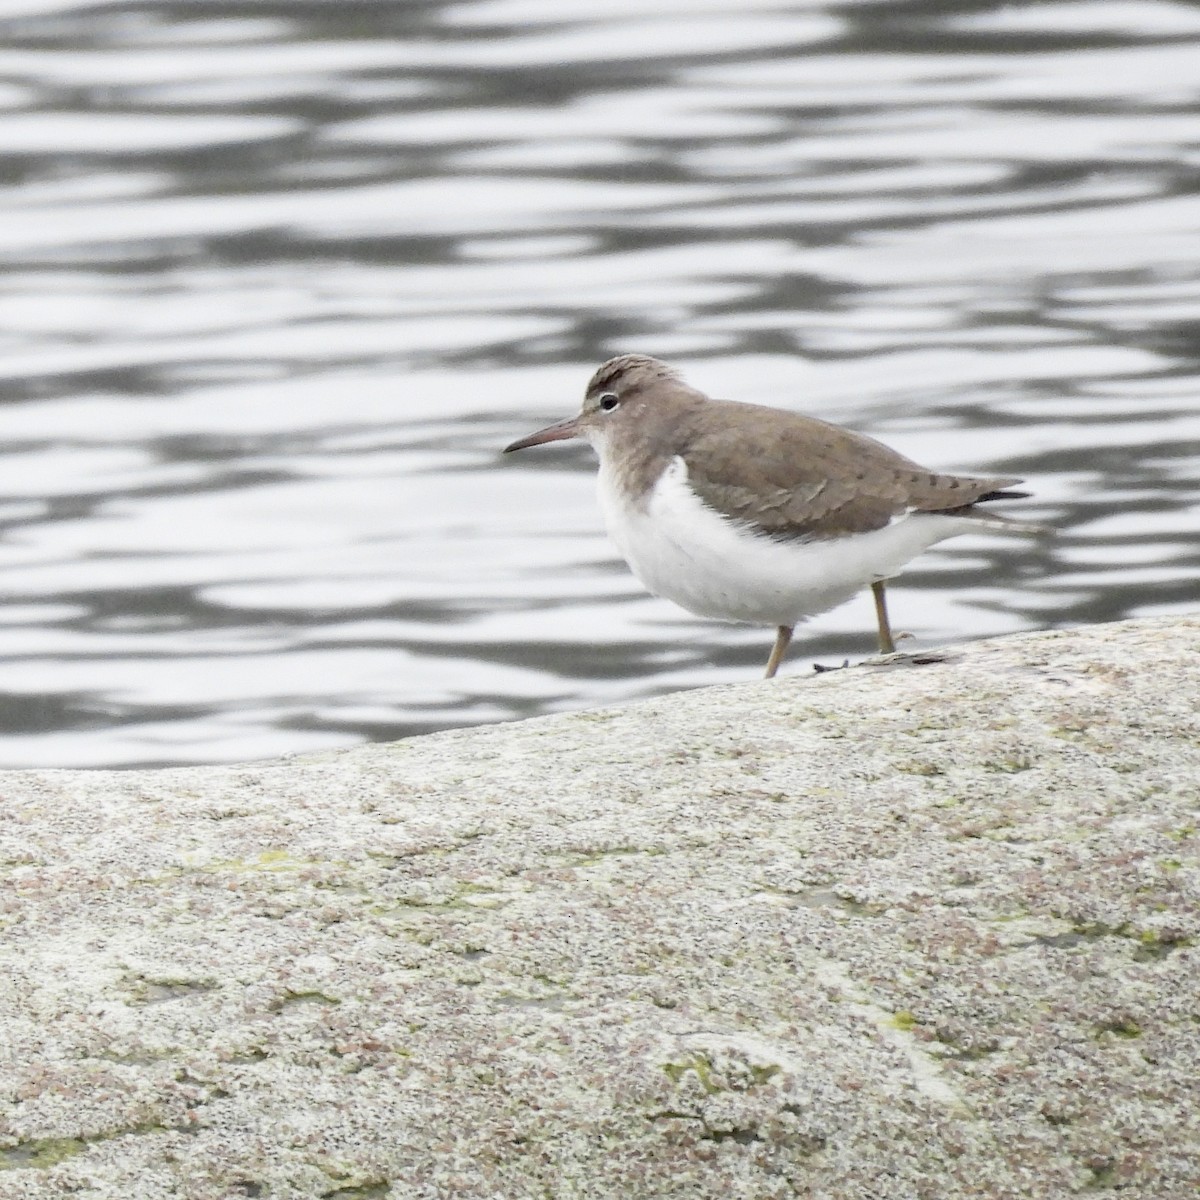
x=753 y=514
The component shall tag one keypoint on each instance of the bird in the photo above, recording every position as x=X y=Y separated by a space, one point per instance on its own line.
x=759 y=515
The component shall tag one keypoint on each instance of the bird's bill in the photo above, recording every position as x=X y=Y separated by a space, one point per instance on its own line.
x=552 y=433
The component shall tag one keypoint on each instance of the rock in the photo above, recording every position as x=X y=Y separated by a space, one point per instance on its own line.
x=897 y=931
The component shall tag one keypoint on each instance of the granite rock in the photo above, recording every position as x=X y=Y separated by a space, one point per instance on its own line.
x=917 y=929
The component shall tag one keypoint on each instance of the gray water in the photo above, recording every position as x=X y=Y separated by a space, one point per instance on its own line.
x=279 y=280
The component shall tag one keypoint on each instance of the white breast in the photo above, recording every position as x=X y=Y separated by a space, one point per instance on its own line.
x=681 y=549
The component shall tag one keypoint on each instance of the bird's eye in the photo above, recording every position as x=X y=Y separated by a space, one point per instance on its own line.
x=609 y=401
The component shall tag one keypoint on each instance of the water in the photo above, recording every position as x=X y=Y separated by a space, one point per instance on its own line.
x=280 y=279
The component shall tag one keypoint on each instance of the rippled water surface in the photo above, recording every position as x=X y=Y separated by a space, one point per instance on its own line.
x=280 y=279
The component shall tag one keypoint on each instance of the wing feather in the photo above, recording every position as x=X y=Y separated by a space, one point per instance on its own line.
x=804 y=478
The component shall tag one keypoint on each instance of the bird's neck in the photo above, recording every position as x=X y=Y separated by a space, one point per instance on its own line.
x=635 y=452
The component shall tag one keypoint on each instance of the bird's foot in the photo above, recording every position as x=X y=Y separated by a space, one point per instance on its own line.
x=822 y=669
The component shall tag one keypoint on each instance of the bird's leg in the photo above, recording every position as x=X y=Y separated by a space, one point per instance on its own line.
x=783 y=637
x=886 y=644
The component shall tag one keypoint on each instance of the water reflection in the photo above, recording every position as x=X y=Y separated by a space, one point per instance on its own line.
x=277 y=286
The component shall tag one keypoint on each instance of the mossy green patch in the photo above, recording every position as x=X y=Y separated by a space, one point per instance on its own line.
x=1122 y=1027
x=1154 y=945
x=40 y=1153
x=269 y=861
x=699 y=1065
x=353 y=1185
x=1011 y=765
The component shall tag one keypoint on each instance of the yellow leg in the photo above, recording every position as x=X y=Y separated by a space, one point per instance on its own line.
x=886 y=644
x=782 y=637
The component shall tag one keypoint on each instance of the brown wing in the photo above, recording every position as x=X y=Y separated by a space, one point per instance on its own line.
x=798 y=477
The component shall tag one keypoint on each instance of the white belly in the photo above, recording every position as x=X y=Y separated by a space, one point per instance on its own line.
x=682 y=550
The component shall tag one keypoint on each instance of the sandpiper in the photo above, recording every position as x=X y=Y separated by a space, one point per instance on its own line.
x=752 y=514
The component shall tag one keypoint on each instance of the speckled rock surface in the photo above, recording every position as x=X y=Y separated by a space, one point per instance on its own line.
x=907 y=931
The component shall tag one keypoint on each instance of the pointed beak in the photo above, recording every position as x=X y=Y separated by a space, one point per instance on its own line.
x=552 y=433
